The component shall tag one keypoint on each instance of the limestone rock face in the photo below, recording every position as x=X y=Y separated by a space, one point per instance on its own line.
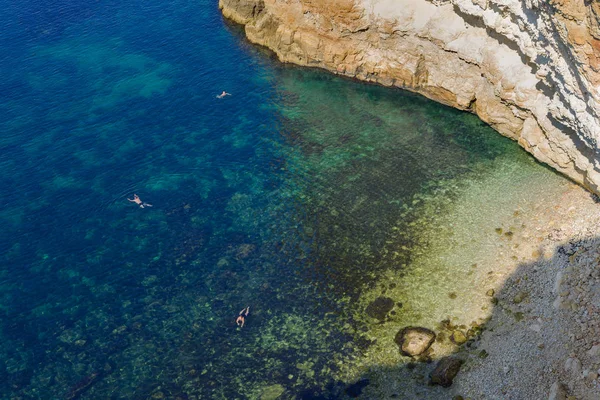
x=529 y=68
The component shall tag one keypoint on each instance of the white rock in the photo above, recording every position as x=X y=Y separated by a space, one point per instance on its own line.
x=573 y=367
x=594 y=351
x=557 y=303
x=558 y=281
x=557 y=392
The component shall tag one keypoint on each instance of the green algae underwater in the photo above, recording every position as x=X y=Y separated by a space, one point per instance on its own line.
x=302 y=195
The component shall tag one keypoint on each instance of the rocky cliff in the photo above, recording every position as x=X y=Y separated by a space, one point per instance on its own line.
x=529 y=68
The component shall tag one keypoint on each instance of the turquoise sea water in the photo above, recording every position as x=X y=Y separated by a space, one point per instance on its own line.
x=289 y=196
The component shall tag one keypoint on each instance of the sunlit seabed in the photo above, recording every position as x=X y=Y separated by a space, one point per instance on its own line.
x=302 y=195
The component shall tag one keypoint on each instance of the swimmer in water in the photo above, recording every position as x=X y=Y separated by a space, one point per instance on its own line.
x=223 y=95
x=241 y=319
x=136 y=199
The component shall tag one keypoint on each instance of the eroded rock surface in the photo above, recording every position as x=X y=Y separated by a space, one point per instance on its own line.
x=529 y=68
x=414 y=341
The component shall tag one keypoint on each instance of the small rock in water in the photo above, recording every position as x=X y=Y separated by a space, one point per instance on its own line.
x=380 y=307
x=82 y=386
x=458 y=337
x=490 y=293
x=445 y=371
x=272 y=392
x=519 y=297
x=414 y=340
x=519 y=316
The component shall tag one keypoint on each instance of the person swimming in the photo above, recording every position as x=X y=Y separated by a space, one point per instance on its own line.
x=136 y=199
x=220 y=96
x=241 y=319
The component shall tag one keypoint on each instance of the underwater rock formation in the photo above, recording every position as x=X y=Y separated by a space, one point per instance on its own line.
x=380 y=307
x=355 y=389
x=82 y=386
x=529 y=68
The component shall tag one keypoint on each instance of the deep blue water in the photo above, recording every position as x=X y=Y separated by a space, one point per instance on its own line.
x=280 y=196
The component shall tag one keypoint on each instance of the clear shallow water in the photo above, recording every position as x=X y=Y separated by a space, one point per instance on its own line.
x=292 y=196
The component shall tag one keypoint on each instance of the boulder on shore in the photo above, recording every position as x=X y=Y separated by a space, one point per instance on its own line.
x=414 y=340
x=445 y=371
x=557 y=392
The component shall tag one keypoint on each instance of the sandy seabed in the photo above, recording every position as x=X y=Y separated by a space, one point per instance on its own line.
x=518 y=258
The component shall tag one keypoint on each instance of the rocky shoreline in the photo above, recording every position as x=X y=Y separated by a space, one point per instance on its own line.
x=528 y=68
x=531 y=333
x=542 y=341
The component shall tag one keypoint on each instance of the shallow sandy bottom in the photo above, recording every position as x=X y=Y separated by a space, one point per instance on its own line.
x=491 y=262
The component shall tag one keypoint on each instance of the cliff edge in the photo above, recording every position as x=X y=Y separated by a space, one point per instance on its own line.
x=529 y=68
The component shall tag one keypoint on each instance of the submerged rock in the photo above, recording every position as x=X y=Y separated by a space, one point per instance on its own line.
x=272 y=392
x=458 y=337
x=519 y=297
x=380 y=307
x=414 y=340
x=83 y=385
x=445 y=371
x=356 y=389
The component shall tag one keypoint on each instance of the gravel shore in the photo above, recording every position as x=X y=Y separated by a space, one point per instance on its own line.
x=542 y=339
